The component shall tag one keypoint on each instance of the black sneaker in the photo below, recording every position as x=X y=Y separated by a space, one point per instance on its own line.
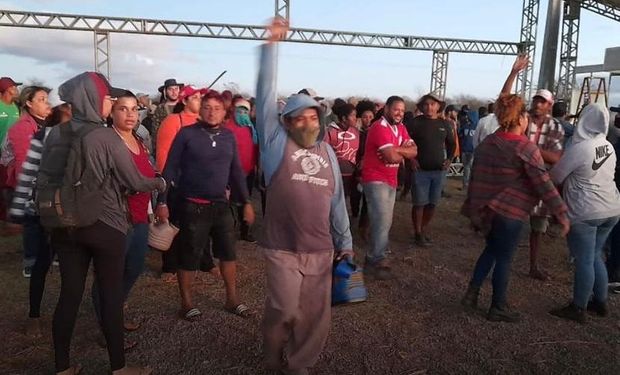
x=420 y=241
x=615 y=289
x=598 y=308
x=570 y=312
x=502 y=314
x=27 y=272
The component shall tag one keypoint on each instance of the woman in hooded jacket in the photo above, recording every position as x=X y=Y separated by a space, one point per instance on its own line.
x=586 y=172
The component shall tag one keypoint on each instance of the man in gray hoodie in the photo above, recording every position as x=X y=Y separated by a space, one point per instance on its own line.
x=306 y=222
x=107 y=162
x=586 y=171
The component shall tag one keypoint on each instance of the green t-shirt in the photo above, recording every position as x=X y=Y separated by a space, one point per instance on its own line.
x=9 y=113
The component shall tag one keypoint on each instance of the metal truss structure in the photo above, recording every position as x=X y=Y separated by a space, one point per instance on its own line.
x=605 y=8
x=568 y=49
x=103 y=27
x=439 y=73
x=570 y=39
x=529 y=26
x=283 y=9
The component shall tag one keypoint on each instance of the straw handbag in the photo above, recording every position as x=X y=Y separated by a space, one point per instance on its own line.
x=161 y=235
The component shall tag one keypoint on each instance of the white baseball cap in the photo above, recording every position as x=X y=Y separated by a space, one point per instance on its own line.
x=545 y=94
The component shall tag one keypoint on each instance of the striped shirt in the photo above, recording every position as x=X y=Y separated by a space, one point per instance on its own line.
x=509 y=178
x=23 y=197
x=548 y=137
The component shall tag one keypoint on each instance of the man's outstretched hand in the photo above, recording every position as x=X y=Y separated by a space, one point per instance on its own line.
x=278 y=29
x=520 y=63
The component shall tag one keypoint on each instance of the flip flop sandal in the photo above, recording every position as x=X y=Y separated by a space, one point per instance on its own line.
x=241 y=310
x=191 y=315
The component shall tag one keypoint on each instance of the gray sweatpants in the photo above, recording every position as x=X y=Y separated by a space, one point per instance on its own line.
x=297 y=308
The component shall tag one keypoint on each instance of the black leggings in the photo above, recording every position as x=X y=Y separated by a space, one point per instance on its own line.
x=106 y=247
x=41 y=266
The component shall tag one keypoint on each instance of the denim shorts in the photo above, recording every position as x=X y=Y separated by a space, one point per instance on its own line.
x=427 y=187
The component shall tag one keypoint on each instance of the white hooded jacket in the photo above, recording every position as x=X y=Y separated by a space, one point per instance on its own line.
x=587 y=169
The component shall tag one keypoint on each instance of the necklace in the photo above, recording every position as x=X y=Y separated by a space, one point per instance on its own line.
x=124 y=140
x=211 y=136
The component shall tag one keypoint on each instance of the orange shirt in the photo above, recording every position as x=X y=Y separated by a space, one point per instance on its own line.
x=168 y=129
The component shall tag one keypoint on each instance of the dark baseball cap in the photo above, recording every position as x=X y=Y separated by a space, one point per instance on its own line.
x=6 y=82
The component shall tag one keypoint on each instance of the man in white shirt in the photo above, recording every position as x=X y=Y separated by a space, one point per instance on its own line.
x=487 y=125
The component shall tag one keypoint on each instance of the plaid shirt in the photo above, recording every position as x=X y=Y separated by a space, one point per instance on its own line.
x=548 y=137
x=508 y=178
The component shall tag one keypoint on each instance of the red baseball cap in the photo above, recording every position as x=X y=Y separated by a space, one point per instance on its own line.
x=6 y=82
x=188 y=91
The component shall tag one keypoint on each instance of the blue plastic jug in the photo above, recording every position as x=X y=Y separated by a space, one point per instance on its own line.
x=348 y=283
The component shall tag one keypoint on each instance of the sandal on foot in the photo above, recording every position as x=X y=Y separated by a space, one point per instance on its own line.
x=127 y=344
x=168 y=277
x=241 y=310
x=191 y=315
x=73 y=370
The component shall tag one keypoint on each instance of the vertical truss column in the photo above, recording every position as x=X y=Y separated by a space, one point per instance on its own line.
x=529 y=25
x=102 y=53
x=283 y=8
x=439 y=73
x=568 y=51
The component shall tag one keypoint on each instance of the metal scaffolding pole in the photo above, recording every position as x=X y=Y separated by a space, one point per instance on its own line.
x=102 y=53
x=546 y=77
x=569 y=50
x=603 y=8
x=439 y=73
x=529 y=25
x=283 y=9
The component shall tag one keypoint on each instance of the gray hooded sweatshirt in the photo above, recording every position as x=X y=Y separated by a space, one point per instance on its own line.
x=587 y=169
x=106 y=156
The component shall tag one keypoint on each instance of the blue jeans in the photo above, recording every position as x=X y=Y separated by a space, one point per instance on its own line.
x=501 y=243
x=34 y=239
x=585 y=242
x=137 y=246
x=380 y=198
x=427 y=186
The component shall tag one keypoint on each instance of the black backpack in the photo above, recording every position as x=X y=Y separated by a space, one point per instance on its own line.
x=67 y=193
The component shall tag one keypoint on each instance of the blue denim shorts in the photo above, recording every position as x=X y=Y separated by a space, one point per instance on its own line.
x=427 y=187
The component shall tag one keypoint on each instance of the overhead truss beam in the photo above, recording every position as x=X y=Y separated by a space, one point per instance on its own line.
x=249 y=32
x=569 y=50
x=603 y=8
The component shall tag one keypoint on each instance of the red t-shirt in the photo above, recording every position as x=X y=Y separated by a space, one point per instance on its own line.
x=138 y=203
x=248 y=151
x=382 y=135
x=345 y=143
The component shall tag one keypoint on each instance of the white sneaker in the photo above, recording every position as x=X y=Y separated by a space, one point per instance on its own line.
x=27 y=272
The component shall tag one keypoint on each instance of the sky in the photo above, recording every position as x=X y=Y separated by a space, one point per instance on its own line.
x=141 y=62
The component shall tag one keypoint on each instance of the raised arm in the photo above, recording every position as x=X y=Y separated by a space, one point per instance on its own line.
x=271 y=135
x=520 y=63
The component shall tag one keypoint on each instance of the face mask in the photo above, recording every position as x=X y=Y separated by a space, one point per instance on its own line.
x=243 y=119
x=303 y=137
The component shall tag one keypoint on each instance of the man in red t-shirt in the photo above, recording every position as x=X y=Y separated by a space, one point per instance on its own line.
x=387 y=145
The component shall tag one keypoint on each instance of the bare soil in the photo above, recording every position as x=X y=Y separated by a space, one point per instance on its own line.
x=412 y=325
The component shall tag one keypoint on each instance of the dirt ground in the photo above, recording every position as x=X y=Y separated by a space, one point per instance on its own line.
x=412 y=325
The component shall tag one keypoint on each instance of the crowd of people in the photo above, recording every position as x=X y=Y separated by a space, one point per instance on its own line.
x=195 y=159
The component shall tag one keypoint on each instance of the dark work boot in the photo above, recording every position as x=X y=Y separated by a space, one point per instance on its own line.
x=502 y=314
x=598 y=308
x=570 y=312
x=470 y=300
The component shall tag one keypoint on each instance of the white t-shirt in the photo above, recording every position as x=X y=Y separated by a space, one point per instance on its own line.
x=486 y=126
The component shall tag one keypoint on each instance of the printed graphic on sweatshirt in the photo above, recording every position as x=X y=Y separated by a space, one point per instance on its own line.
x=311 y=164
x=602 y=153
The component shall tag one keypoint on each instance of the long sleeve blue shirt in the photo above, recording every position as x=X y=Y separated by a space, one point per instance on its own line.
x=203 y=162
